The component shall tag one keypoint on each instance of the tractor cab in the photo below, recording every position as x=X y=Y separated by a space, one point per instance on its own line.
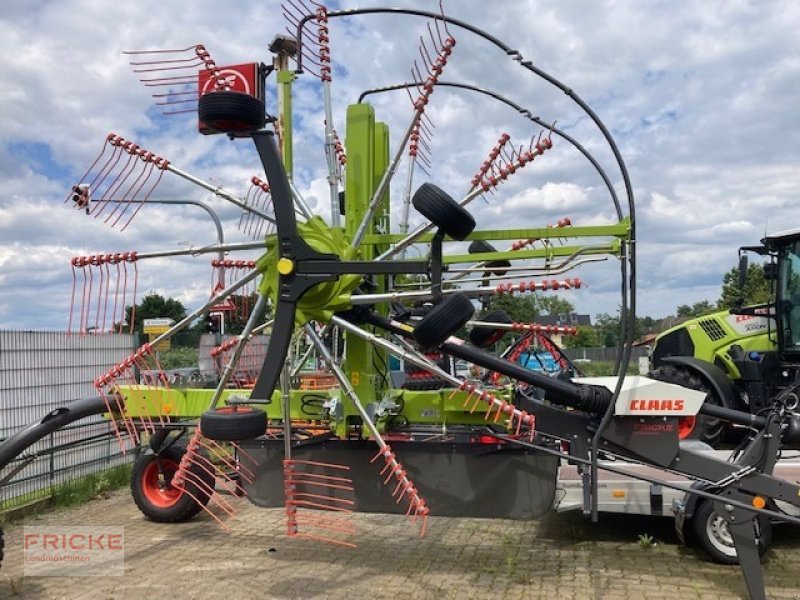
x=784 y=247
x=744 y=356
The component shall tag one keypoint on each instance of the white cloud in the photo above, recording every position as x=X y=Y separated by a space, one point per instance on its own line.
x=702 y=104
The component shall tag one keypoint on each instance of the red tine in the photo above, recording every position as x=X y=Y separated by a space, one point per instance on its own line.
x=100 y=286
x=89 y=170
x=124 y=293
x=108 y=167
x=146 y=197
x=302 y=502
x=135 y=285
x=146 y=171
x=160 y=51
x=120 y=179
x=72 y=296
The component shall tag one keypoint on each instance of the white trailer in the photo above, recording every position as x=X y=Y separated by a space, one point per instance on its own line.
x=620 y=494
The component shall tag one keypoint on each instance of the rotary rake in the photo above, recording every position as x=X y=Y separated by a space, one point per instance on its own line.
x=345 y=293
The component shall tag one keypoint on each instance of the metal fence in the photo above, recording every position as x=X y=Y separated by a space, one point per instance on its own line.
x=603 y=354
x=39 y=372
x=248 y=367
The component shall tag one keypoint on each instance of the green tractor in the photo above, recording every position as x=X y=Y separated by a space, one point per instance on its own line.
x=742 y=357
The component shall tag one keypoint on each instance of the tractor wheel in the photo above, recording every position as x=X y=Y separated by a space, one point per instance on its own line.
x=152 y=491
x=444 y=212
x=486 y=336
x=714 y=534
x=444 y=319
x=231 y=112
x=700 y=427
x=233 y=423
x=498 y=267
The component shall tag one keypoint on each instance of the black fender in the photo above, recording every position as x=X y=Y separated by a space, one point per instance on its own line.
x=12 y=447
x=713 y=375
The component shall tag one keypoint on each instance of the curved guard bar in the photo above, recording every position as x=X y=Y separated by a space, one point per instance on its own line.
x=56 y=419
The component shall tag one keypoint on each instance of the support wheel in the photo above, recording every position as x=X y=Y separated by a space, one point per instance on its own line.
x=448 y=215
x=158 y=438
x=498 y=267
x=233 y=423
x=231 y=112
x=152 y=491
x=447 y=317
x=714 y=535
x=483 y=337
x=700 y=427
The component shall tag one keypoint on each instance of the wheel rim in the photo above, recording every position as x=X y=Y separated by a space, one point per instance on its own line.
x=686 y=427
x=232 y=410
x=719 y=534
x=157 y=490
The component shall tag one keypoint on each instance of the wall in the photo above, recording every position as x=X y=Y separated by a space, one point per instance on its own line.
x=39 y=372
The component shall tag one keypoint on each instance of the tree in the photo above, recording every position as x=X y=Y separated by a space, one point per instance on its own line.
x=521 y=308
x=757 y=290
x=155 y=306
x=587 y=337
x=607 y=329
x=525 y=308
x=698 y=309
x=553 y=305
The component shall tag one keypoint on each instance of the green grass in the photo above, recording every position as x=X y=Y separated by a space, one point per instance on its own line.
x=73 y=493
x=82 y=490
x=646 y=540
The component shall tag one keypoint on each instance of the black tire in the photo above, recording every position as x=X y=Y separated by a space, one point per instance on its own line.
x=444 y=212
x=447 y=317
x=498 y=267
x=2 y=546
x=486 y=336
x=158 y=438
x=714 y=536
x=706 y=429
x=231 y=112
x=233 y=424
x=154 y=494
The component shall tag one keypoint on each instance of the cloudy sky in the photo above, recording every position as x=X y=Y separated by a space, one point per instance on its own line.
x=700 y=96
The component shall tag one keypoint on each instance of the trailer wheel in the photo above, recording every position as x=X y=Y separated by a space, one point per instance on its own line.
x=152 y=490
x=233 y=423
x=700 y=427
x=444 y=212
x=486 y=336
x=714 y=535
x=231 y=112
x=444 y=319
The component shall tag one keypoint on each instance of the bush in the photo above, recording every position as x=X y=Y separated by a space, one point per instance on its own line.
x=179 y=358
x=599 y=368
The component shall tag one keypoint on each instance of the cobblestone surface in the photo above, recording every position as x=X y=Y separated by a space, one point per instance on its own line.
x=559 y=557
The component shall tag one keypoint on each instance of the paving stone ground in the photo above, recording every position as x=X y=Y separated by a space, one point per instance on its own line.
x=561 y=557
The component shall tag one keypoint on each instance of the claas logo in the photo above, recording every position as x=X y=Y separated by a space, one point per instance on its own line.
x=655 y=404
